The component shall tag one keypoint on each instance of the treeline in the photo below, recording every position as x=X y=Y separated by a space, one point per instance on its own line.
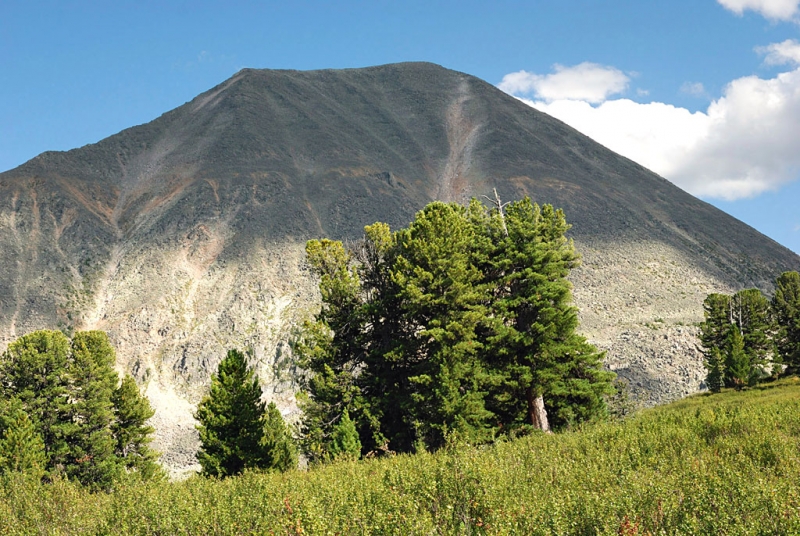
x=65 y=413
x=748 y=338
x=460 y=324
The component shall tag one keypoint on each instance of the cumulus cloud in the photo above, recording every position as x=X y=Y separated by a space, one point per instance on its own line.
x=771 y=9
x=587 y=82
x=785 y=53
x=745 y=143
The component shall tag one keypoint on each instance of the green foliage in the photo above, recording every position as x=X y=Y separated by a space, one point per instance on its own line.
x=91 y=457
x=230 y=417
x=236 y=430
x=740 y=369
x=750 y=313
x=34 y=370
x=536 y=349
x=715 y=365
x=714 y=330
x=131 y=431
x=786 y=308
x=64 y=394
x=279 y=445
x=332 y=359
x=444 y=307
x=21 y=446
x=723 y=464
x=344 y=441
x=455 y=324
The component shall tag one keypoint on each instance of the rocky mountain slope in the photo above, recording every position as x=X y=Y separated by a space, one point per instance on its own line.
x=184 y=237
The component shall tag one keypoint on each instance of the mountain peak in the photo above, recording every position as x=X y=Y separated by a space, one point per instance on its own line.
x=183 y=237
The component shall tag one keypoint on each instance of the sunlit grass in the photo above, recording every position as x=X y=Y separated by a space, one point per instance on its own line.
x=721 y=464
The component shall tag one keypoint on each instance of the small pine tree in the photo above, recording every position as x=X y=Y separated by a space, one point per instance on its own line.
x=738 y=366
x=21 y=446
x=344 y=441
x=279 y=446
x=715 y=367
x=231 y=420
x=715 y=329
x=131 y=432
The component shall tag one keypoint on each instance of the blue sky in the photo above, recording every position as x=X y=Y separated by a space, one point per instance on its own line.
x=705 y=92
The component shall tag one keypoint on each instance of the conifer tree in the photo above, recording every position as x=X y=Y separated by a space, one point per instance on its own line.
x=739 y=368
x=715 y=329
x=345 y=442
x=786 y=308
x=21 y=446
x=715 y=367
x=34 y=370
x=537 y=348
x=231 y=419
x=331 y=348
x=131 y=432
x=443 y=300
x=92 y=383
x=66 y=389
x=750 y=311
x=451 y=325
x=279 y=445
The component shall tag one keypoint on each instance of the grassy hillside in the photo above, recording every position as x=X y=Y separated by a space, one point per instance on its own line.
x=722 y=464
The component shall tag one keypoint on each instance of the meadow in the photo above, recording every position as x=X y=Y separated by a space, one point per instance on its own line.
x=726 y=463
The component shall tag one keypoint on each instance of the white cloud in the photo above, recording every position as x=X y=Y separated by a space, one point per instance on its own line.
x=745 y=143
x=787 y=52
x=696 y=89
x=587 y=81
x=771 y=9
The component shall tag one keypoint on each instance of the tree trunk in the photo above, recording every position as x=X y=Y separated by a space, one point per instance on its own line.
x=536 y=411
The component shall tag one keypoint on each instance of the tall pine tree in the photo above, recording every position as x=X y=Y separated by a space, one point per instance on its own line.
x=332 y=347
x=458 y=323
x=750 y=311
x=67 y=390
x=442 y=299
x=536 y=348
x=93 y=380
x=230 y=419
x=786 y=308
x=35 y=371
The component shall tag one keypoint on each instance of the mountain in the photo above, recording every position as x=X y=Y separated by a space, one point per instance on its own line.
x=184 y=237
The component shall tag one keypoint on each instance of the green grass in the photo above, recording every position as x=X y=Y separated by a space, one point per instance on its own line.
x=722 y=464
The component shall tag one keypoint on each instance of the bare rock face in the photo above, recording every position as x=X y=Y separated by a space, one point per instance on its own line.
x=184 y=237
